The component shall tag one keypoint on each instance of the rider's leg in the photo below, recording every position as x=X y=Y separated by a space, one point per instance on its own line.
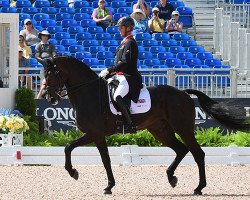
x=121 y=91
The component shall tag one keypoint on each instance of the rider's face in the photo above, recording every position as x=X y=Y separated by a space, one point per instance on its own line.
x=122 y=30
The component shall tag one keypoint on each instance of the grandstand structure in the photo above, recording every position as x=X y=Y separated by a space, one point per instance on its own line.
x=180 y=61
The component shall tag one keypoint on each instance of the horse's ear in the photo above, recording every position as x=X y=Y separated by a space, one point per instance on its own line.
x=49 y=63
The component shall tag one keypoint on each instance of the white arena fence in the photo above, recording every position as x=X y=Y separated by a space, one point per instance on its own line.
x=217 y=83
x=124 y=155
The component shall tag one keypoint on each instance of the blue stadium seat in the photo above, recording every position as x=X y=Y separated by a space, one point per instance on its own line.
x=109 y=62
x=141 y=49
x=171 y=62
x=49 y=10
x=64 y=53
x=188 y=43
x=39 y=28
x=151 y=62
x=184 y=55
x=160 y=36
x=8 y=10
x=68 y=42
x=47 y=22
x=127 y=10
x=83 y=36
x=162 y=56
x=62 y=35
x=212 y=62
x=82 y=55
x=22 y=4
x=112 y=49
x=118 y=4
x=118 y=37
x=67 y=10
x=23 y=16
x=187 y=21
x=181 y=36
x=95 y=49
x=108 y=43
x=169 y=43
x=75 y=48
x=91 y=61
x=80 y=16
x=68 y=23
x=53 y=41
x=112 y=29
x=89 y=43
x=176 y=49
x=191 y=62
x=145 y=55
x=73 y=30
x=33 y=62
x=59 y=48
x=196 y=49
x=94 y=4
x=54 y=29
x=4 y=3
x=103 y=36
x=30 y=10
x=81 y=4
x=87 y=23
x=40 y=16
x=41 y=3
x=184 y=10
x=61 y=16
x=153 y=3
x=142 y=36
x=95 y=29
x=102 y=55
x=204 y=55
x=176 y=4
x=156 y=49
x=117 y=16
x=88 y=10
x=149 y=43
x=60 y=4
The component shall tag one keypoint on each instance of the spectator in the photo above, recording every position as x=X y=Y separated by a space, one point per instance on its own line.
x=102 y=15
x=173 y=26
x=13 y=3
x=23 y=62
x=140 y=24
x=155 y=24
x=165 y=10
x=27 y=53
x=44 y=50
x=141 y=4
x=30 y=33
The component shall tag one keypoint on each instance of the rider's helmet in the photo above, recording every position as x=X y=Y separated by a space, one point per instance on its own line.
x=126 y=21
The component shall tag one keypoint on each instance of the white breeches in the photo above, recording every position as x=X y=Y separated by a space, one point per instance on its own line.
x=123 y=87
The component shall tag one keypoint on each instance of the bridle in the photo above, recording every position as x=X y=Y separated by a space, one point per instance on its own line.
x=52 y=68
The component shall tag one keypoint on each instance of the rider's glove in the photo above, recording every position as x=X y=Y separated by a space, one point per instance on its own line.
x=104 y=73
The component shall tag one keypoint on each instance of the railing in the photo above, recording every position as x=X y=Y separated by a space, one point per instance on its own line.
x=217 y=83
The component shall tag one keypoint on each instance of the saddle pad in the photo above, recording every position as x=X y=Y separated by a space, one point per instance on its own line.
x=143 y=105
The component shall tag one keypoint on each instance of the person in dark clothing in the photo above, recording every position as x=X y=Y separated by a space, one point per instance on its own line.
x=125 y=70
x=165 y=9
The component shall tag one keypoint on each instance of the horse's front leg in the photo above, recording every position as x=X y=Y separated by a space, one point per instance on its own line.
x=103 y=149
x=86 y=139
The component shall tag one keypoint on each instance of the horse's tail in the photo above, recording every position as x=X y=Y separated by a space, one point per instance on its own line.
x=227 y=113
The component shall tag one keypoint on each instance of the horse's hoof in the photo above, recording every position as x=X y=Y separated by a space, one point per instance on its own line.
x=174 y=181
x=196 y=193
x=75 y=175
x=107 y=192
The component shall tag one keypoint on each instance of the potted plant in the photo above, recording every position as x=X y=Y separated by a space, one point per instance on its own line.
x=11 y=130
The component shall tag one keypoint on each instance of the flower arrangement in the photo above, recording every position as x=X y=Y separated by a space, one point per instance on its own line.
x=12 y=124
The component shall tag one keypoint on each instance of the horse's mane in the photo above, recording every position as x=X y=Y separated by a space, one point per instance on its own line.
x=73 y=62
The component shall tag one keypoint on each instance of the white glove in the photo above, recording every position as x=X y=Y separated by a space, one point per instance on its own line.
x=104 y=73
x=110 y=80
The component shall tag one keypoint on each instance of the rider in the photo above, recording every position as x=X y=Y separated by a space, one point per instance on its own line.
x=125 y=70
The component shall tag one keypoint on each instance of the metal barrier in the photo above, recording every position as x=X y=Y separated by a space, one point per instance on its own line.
x=215 y=82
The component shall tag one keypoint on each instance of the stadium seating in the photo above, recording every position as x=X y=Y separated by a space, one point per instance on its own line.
x=41 y=3
x=80 y=16
x=4 y=3
x=160 y=36
x=61 y=4
x=204 y=55
x=156 y=49
x=162 y=56
x=145 y=55
x=212 y=62
x=61 y=35
x=191 y=62
x=82 y=55
x=109 y=62
x=184 y=55
x=40 y=16
x=83 y=36
x=171 y=62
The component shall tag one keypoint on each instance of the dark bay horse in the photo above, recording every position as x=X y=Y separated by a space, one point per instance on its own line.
x=172 y=111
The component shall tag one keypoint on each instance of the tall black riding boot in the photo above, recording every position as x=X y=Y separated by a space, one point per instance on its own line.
x=131 y=128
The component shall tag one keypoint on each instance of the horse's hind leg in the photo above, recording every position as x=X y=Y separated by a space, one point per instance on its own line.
x=103 y=149
x=86 y=139
x=166 y=135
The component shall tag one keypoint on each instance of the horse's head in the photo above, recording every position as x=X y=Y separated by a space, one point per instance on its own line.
x=54 y=81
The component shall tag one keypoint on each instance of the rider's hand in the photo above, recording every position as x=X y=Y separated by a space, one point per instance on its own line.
x=104 y=73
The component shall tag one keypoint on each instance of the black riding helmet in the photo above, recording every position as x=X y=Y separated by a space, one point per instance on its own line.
x=126 y=21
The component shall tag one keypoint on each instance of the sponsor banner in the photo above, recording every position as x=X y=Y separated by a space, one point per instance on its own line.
x=62 y=116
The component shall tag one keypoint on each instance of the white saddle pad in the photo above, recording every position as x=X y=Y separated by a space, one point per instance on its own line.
x=143 y=105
